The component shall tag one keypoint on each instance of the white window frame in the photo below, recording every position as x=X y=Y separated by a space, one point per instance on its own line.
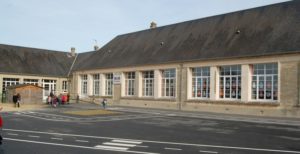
x=109 y=84
x=84 y=84
x=31 y=81
x=148 y=83
x=168 y=83
x=64 y=86
x=130 y=83
x=9 y=82
x=200 y=75
x=235 y=88
x=260 y=82
x=96 y=84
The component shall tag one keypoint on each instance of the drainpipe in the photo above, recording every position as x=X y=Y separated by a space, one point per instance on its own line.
x=180 y=88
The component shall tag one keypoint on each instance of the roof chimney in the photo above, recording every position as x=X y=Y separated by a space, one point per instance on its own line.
x=96 y=47
x=73 y=53
x=153 y=25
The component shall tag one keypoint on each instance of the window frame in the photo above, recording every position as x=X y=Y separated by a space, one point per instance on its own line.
x=148 y=83
x=199 y=77
x=263 y=75
x=228 y=75
x=130 y=83
x=108 y=84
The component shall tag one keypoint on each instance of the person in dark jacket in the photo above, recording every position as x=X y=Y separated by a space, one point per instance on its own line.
x=15 y=99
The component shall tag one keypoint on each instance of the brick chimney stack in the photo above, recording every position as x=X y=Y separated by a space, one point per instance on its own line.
x=153 y=25
x=73 y=51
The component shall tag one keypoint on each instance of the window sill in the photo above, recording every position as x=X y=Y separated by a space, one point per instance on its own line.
x=233 y=102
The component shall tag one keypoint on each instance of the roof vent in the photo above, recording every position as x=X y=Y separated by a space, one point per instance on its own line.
x=237 y=31
x=161 y=43
x=153 y=25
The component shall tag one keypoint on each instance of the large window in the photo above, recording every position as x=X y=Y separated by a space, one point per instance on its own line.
x=109 y=84
x=230 y=82
x=265 y=81
x=168 y=87
x=200 y=82
x=65 y=86
x=31 y=81
x=84 y=81
x=9 y=82
x=129 y=83
x=148 y=83
x=96 y=84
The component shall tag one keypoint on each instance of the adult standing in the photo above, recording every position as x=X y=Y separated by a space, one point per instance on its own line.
x=18 y=99
x=15 y=99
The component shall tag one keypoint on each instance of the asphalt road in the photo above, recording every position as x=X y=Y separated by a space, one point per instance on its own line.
x=138 y=131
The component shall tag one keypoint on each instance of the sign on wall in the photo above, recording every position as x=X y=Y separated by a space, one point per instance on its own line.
x=117 y=78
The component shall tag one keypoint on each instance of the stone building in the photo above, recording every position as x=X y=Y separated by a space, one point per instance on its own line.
x=245 y=62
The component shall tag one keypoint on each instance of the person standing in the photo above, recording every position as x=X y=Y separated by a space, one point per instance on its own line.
x=19 y=99
x=15 y=99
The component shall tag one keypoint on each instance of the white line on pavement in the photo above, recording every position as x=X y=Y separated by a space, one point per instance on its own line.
x=127 y=141
x=111 y=147
x=33 y=136
x=119 y=144
x=77 y=146
x=160 y=142
x=82 y=141
x=12 y=134
x=208 y=151
x=54 y=138
x=173 y=149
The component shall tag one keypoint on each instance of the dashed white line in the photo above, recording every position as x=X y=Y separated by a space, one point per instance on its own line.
x=84 y=141
x=127 y=141
x=208 y=151
x=54 y=138
x=33 y=136
x=110 y=147
x=119 y=144
x=173 y=149
x=12 y=134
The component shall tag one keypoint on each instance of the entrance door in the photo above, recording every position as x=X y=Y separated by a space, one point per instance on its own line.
x=48 y=85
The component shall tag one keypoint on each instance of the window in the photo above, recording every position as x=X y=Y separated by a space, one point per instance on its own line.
x=31 y=81
x=230 y=82
x=109 y=84
x=9 y=82
x=96 y=84
x=200 y=82
x=265 y=81
x=168 y=83
x=129 y=83
x=84 y=81
x=148 y=83
x=48 y=85
x=65 y=86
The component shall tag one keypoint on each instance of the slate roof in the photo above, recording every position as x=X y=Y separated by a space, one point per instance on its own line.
x=267 y=30
x=32 y=61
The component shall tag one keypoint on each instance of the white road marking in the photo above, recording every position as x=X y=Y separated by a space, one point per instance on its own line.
x=54 y=138
x=12 y=134
x=77 y=146
x=127 y=141
x=159 y=142
x=173 y=149
x=111 y=147
x=208 y=151
x=33 y=136
x=119 y=144
x=82 y=141
x=171 y=114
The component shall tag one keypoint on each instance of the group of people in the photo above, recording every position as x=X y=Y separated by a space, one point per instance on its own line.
x=17 y=99
x=57 y=100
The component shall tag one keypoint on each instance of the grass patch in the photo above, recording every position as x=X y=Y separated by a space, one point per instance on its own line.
x=91 y=112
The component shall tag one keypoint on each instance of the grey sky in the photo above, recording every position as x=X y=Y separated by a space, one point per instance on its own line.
x=60 y=24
